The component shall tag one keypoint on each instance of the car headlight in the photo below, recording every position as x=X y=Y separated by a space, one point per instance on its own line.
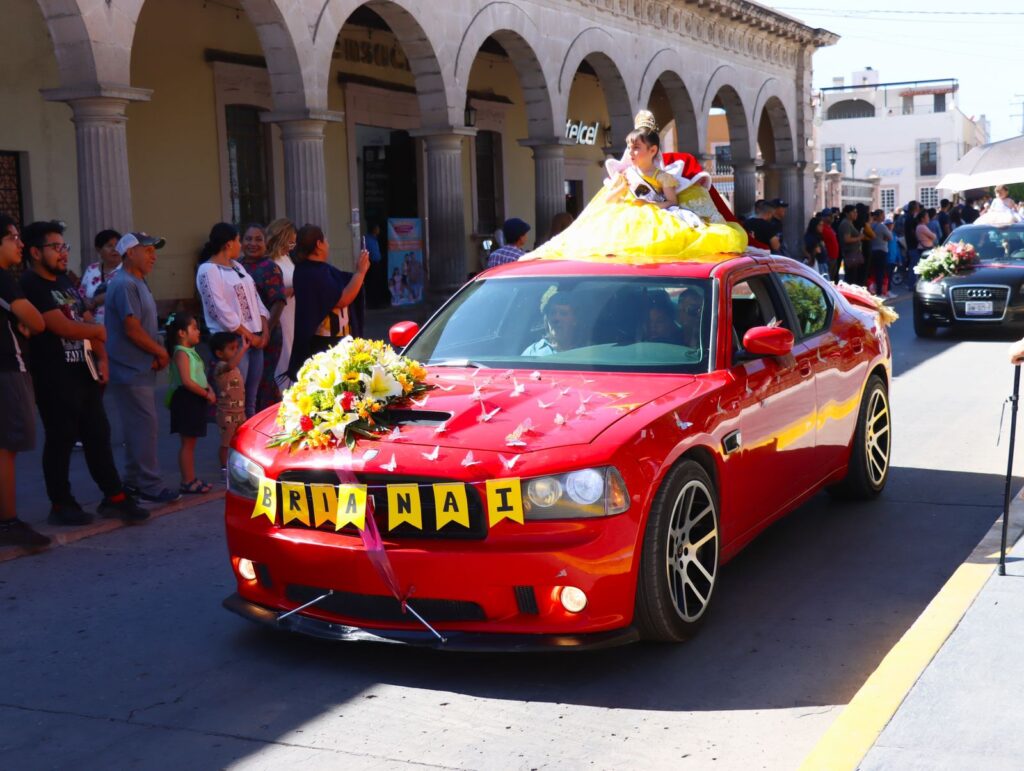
x=243 y=475
x=583 y=494
x=932 y=289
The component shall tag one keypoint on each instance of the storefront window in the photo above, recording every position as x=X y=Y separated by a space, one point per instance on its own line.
x=247 y=165
x=489 y=181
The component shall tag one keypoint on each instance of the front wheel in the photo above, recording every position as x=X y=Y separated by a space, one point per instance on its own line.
x=868 y=470
x=679 y=563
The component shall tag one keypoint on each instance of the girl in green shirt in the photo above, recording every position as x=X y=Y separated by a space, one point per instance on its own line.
x=188 y=395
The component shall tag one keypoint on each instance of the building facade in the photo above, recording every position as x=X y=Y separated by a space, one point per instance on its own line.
x=907 y=134
x=169 y=115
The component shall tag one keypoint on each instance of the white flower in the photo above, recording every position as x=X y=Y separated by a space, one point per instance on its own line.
x=380 y=385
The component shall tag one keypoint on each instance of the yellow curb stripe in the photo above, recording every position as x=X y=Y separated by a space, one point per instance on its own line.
x=851 y=736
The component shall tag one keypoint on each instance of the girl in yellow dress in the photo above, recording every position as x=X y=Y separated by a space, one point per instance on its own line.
x=647 y=213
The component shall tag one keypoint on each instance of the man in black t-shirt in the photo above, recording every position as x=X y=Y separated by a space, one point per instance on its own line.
x=68 y=383
x=18 y=319
x=760 y=226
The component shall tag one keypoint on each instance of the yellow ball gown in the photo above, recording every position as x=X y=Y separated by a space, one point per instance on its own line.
x=625 y=228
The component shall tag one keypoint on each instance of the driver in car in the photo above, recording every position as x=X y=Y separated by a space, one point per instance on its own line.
x=560 y=320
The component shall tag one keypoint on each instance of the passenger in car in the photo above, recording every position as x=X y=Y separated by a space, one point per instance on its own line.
x=561 y=323
x=689 y=310
x=661 y=326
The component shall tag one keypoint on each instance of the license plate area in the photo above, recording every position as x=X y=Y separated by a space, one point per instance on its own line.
x=978 y=308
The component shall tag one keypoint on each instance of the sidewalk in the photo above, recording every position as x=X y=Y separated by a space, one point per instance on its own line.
x=947 y=695
x=34 y=507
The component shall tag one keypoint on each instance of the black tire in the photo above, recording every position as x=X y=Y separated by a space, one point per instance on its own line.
x=921 y=329
x=672 y=597
x=871 y=453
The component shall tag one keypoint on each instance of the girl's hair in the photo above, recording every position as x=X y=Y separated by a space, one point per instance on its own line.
x=105 y=236
x=306 y=240
x=920 y=216
x=812 y=226
x=221 y=234
x=649 y=137
x=176 y=324
x=280 y=232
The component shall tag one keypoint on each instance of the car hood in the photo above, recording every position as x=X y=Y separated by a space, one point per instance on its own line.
x=493 y=411
x=989 y=273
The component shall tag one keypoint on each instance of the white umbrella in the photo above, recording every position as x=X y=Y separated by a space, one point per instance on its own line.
x=998 y=163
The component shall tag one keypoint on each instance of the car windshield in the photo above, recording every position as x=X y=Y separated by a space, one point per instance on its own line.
x=992 y=243
x=609 y=323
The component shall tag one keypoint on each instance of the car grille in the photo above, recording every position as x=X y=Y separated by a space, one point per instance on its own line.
x=375 y=487
x=997 y=295
x=373 y=607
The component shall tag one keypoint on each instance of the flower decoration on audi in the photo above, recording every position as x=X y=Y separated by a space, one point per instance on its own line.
x=946 y=260
x=344 y=393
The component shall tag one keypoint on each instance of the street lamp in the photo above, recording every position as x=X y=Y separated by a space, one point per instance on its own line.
x=852 y=155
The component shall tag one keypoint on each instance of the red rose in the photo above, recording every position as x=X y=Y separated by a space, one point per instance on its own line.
x=346 y=401
x=306 y=423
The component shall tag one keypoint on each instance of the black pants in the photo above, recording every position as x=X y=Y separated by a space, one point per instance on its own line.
x=72 y=410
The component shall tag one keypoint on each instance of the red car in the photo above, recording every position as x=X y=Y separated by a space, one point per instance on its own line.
x=656 y=419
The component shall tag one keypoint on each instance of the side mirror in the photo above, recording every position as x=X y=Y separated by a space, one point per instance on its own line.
x=403 y=332
x=768 y=341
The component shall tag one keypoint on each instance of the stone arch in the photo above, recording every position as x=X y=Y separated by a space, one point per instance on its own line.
x=771 y=109
x=720 y=92
x=664 y=67
x=518 y=34
x=591 y=45
x=851 y=108
x=93 y=42
x=417 y=37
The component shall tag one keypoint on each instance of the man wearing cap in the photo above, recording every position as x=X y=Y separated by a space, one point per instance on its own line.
x=135 y=352
x=779 y=207
x=515 y=231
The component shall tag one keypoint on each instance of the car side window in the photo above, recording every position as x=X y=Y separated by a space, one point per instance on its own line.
x=810 y=303
x=754 y=304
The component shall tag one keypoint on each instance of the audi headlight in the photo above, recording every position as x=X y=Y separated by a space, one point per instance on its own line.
x=583 y=494
x=243 y=475
x=932 y=288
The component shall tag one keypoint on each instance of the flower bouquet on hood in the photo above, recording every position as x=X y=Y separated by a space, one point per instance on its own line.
x=946 y=260
x=344 y=393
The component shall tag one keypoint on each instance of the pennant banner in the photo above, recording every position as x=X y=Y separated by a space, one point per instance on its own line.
x=346 y=504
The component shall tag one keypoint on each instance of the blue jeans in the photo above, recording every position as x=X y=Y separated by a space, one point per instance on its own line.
x=251 y=367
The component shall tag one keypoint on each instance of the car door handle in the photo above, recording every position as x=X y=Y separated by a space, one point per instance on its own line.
x=858 y=345
x=805 y=369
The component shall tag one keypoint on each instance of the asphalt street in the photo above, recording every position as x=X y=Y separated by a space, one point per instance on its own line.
x=116 y=652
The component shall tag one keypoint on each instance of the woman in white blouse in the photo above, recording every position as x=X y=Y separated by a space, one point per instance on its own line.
x=231 y=303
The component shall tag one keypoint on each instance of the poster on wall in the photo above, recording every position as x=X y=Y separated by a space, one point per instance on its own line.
x=406 y=273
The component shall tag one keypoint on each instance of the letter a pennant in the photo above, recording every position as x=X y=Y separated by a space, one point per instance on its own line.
x=266 y=500
x=450 y=504
x=504 y=501
x=351 y=506
x=404 y=506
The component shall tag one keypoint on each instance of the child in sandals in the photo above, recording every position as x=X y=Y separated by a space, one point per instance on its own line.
x=188 y=396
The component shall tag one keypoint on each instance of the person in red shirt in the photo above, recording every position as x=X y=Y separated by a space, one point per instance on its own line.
x=828 y=235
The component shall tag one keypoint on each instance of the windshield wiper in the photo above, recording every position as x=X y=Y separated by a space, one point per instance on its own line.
x=458 y=363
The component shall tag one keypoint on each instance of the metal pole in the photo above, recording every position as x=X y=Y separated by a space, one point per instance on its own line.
x=1009 y=467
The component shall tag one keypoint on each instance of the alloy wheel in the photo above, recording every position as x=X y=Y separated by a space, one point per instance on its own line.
x=877 y=437
x=692 y=550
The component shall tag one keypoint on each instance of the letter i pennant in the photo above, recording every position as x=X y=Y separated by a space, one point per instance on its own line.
x=504 y=501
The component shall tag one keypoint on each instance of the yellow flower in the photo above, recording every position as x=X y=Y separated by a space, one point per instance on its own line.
x=305 y=404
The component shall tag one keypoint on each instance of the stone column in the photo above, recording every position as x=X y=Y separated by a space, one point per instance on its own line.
x=305 y=172
x=549 y=183
x=446 y=219
x=791 y=189
x=744 y=186
x=101 y=144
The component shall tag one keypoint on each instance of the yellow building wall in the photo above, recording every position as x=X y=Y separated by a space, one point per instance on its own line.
x=33 y=126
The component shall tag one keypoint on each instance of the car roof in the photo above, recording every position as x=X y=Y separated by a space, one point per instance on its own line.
x=705 y=268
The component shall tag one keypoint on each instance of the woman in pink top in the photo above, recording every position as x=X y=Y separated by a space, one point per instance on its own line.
x=925 y=236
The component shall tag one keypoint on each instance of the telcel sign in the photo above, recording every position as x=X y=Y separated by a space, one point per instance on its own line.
x=581 y=133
